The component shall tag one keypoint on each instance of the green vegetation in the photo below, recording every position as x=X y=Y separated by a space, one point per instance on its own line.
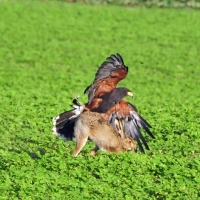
x=147 y=3
x=50 y=50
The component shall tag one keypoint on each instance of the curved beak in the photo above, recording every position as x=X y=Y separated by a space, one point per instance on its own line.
x=130 y=94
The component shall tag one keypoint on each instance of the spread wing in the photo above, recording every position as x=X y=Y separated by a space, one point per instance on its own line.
x=107 y=77
x=122 y=114
x=127 y=113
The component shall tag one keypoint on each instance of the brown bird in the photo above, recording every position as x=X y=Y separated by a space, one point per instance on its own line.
x=104 y=97
x=108 y=75
x=92 y=125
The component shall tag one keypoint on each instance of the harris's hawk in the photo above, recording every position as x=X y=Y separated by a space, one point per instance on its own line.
x=122 y=115
x=104 y=97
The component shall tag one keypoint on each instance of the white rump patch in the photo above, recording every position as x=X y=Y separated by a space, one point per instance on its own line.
x=77 y=111
x=55 y=119
x=54 y=130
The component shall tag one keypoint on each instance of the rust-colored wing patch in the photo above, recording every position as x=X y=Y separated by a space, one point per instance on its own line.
x=107 y=77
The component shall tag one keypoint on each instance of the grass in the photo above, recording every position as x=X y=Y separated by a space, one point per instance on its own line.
x=50 y=50
x=148 y=3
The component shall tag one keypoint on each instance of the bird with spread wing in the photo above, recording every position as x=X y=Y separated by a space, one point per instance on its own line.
x=105 y=98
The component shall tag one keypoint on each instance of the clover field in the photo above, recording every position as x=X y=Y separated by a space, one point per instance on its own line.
x=50 y=51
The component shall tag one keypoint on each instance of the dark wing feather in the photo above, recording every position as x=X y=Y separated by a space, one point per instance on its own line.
x=133 y=122
x=63 y=117
x=140 y=118
x=107 y=76
x=67 y=131
x=112 y=64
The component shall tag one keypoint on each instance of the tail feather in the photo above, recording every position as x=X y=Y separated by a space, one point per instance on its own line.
x=63 y=124
x=63 y=117
x=66 y=132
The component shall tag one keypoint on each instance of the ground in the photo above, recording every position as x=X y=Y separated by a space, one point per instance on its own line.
x=50 y=50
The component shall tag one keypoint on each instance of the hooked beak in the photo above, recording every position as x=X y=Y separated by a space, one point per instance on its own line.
x=130 y=94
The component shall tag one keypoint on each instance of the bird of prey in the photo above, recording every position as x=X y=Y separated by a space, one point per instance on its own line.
x=104 y=97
